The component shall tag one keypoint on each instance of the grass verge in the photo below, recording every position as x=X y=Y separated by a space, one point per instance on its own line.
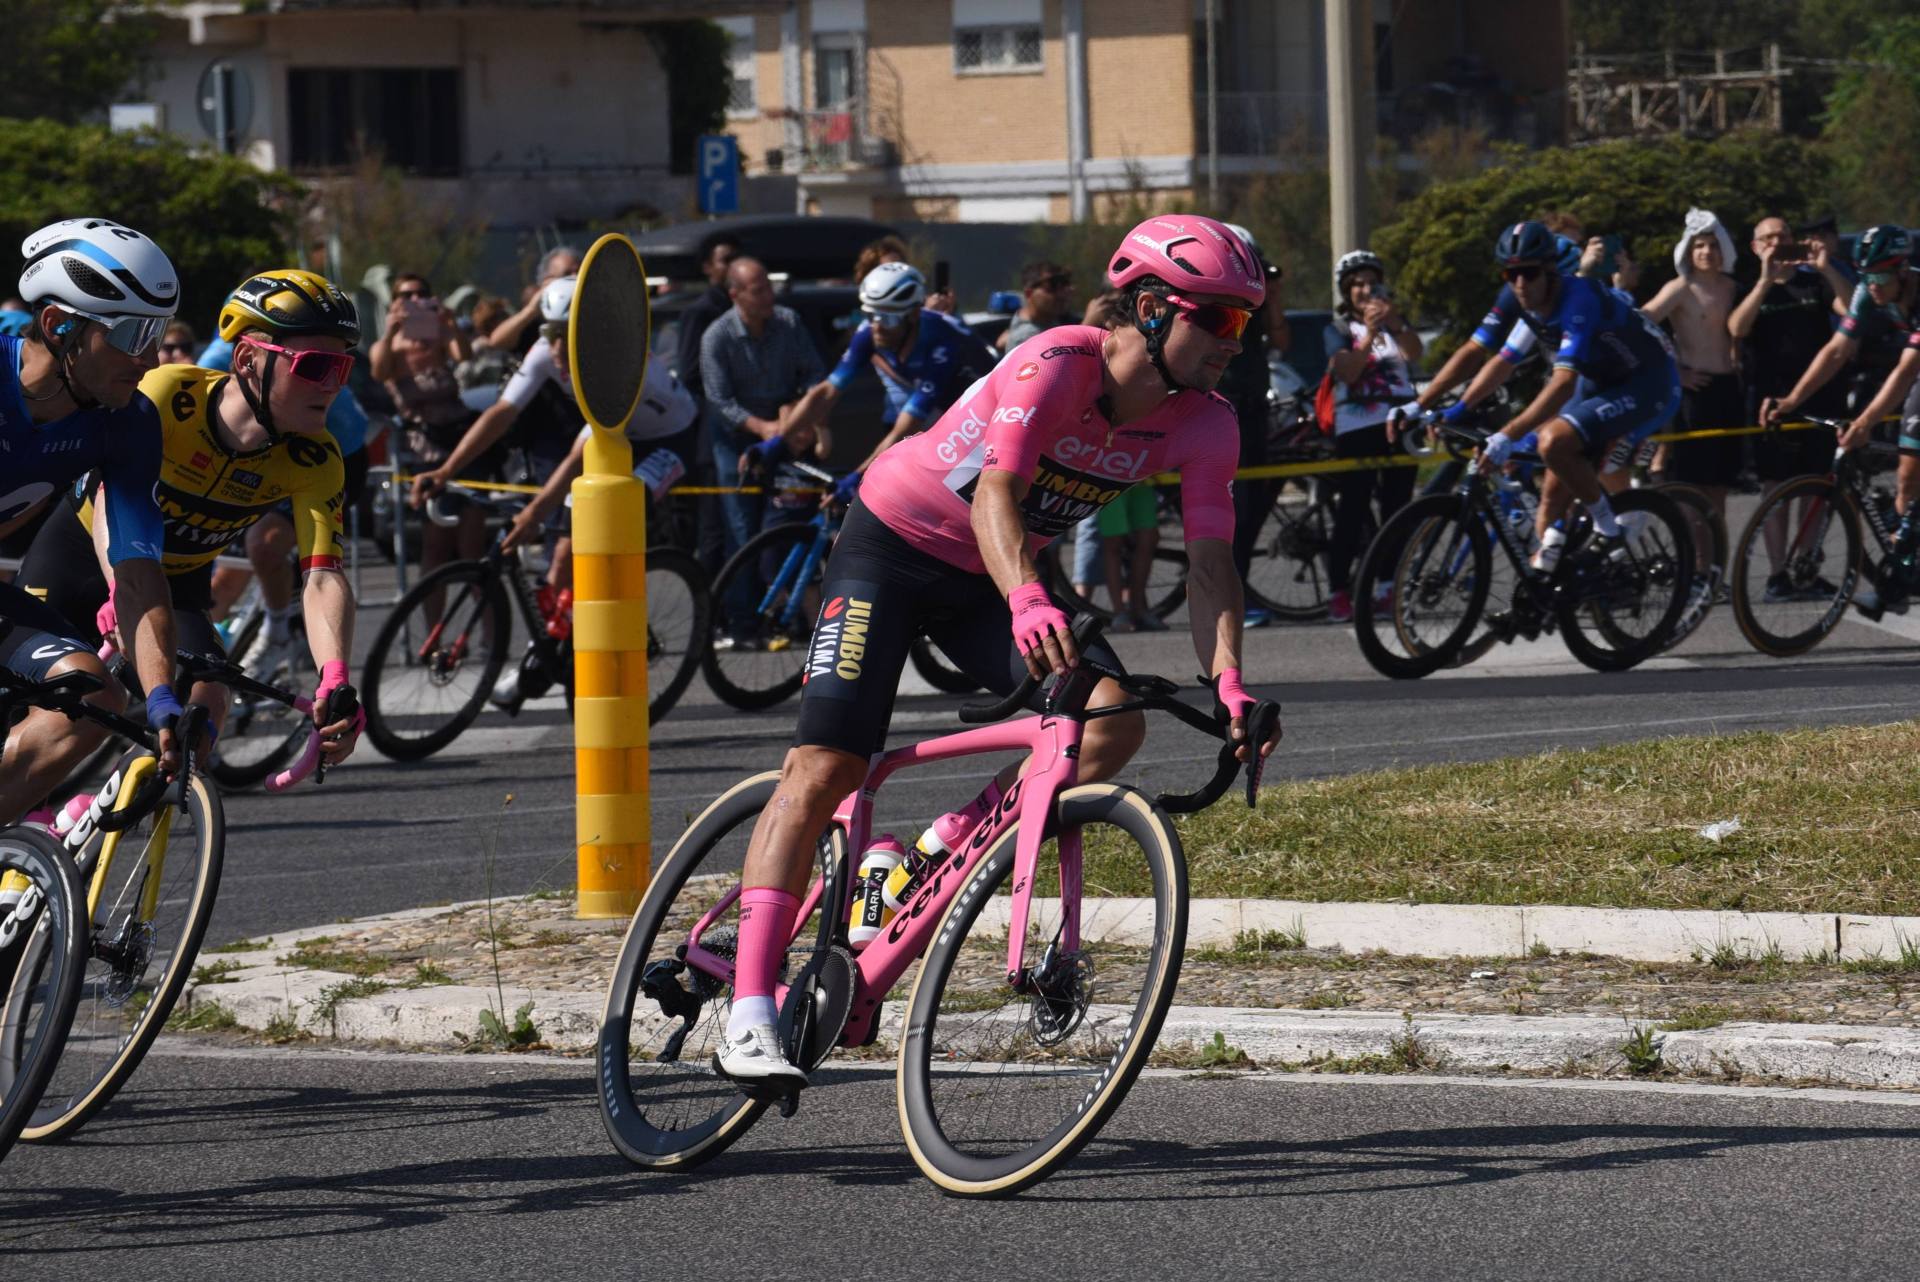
x=1830 y=822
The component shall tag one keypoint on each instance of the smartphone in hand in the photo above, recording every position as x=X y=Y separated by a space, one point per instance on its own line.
x=422 y=320
x=942 y=272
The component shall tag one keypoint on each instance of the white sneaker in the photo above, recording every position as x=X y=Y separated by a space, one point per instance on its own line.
x=506 y=691
x=755 y=1056
x=268 y=657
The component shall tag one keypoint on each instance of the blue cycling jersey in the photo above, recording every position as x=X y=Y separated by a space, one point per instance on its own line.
x=346 y=419
x=41 y=458
x=923 y=382
x=1596 y=332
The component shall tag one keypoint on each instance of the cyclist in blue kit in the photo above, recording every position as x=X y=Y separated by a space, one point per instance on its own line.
x=923 y=358
x=1614 y=377
x=99 y=296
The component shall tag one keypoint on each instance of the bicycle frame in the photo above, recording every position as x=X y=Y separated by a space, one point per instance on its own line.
x=802 y=562
x=1054 y=741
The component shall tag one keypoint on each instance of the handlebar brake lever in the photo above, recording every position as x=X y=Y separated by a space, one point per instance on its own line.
x=1261 y=723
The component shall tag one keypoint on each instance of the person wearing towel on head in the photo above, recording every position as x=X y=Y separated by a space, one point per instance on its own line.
x=1696 y=304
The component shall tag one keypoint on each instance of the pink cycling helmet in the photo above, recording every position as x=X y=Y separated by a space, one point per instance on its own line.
x=1194 y=255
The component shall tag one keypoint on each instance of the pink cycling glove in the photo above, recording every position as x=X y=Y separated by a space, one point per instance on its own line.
x=106 y=618
x=1034 y=615
x=1232 y=695
x=333 y=675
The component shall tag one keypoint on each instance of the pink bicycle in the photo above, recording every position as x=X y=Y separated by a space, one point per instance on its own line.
x=1052 y=945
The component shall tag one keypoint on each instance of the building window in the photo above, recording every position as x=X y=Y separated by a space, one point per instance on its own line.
x=409 y=117
x=740 y=99
x=996 y=49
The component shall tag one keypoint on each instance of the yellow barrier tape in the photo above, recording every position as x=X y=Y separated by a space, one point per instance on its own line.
x=1262 y=472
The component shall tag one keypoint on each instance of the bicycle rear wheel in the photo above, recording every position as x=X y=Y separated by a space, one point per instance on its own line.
x=47 y=919
x=763 y=619
x=1788 y=607
x=936 y=671
x=678 y=623
x=1288 y=573
x=1422 y=587
x=998 y=1088
x=663 y=1103
x=435 y=659
x=138 y=961
x=1617 y=613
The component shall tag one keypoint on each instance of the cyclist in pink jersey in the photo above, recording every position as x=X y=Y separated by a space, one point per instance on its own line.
x=941 y=541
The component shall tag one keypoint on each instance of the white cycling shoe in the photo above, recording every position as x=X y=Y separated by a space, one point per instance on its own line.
x=755 y=1059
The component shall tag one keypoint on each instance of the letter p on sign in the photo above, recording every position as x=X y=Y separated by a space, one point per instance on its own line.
x=719 y=168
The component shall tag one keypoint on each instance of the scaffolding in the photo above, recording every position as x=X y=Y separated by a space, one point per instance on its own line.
x=1691 y=95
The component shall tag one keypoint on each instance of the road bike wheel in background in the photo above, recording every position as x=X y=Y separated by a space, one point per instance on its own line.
x=1624 y=612
x=759 y=650
x=1818 y=528
x=1288 y=572
x=1422 y=587
x=936 y=671
x=663 y=1104
x=48 y=920
x=1709 y=532
x=263 y=735
x=138 y=962
x=679 y=621
x=435 y=660
x=998 y=1088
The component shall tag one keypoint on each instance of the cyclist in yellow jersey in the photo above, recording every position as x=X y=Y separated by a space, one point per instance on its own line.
x=234 y=447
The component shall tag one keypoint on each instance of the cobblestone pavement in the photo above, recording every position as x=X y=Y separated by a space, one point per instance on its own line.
x=538 y=944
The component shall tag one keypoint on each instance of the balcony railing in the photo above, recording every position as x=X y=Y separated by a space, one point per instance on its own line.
x=834 y=139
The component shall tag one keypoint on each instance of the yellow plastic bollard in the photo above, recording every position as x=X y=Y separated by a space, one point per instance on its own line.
x=607 y=338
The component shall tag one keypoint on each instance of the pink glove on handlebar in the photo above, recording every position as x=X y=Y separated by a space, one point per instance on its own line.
x=1034 y=615
x=106 y=618
x=1232 y=695
x=333 y=675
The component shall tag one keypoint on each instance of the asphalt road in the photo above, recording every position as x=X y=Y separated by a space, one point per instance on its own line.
x=274 y=1164
x=380 y=836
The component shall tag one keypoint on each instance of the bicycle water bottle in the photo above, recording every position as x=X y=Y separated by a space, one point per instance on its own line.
x=871 y=911
x=560 y=617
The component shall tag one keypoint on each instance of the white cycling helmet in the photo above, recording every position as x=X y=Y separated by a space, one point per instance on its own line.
x=98 y=268
x=893 y=289
x=1350 y=262
x=556 y=300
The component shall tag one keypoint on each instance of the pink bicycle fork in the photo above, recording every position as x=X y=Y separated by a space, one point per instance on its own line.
x=1054 y=743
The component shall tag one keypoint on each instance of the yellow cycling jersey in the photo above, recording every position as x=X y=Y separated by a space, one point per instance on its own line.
x=209 y=495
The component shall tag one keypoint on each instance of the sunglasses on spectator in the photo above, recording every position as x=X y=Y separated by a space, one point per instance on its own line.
x=1216 y=319
x=886 y=320
x=325 y=370
x=410 y=293
x=130 y=334
x=177 y=347
x=1525 y=271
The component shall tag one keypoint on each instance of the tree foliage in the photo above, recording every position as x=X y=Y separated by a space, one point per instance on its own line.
x=1439 y=249
x=67 y=59
x=217 y=217
x=1809 y=28
x=699 y=82
x=379 y=217
x=1873 y=128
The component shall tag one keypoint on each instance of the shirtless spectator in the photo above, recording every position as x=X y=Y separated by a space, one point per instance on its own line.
x=1697 y=304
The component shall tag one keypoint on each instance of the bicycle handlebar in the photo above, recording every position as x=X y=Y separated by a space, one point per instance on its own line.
x=1151 y=692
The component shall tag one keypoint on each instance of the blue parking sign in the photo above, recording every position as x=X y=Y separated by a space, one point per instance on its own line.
x=719 y=174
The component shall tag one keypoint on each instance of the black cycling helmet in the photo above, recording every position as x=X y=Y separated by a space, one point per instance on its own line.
x=1883 y=248
x=1528 y=242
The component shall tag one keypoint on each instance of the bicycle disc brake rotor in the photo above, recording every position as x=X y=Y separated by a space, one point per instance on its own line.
x=1062 y=987
x=129 y=951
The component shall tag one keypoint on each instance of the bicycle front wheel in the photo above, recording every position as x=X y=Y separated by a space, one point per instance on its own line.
x=43 y=911
x=662 y=1101
x=678 y=623
x=435 y=659
x=1422 y=587
x=1797 y=566
x=764 y=605
x=155 y=900
x=998 y=1087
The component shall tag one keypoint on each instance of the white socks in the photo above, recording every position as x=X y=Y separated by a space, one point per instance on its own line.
x=1605 y=524
x=748 y=1012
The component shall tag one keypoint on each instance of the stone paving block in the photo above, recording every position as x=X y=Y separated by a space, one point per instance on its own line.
x=1845 y=1054
x=1654 y=934
x=1864 y=938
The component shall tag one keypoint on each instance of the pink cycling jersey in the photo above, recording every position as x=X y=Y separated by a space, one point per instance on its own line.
x=1037 y=414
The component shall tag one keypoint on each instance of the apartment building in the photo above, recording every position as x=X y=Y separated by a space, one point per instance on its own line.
x=1021 y=110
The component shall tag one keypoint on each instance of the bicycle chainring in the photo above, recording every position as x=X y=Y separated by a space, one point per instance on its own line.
x=817 y=1006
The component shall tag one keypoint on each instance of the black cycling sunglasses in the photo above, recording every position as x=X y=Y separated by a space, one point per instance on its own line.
x=1525 y=271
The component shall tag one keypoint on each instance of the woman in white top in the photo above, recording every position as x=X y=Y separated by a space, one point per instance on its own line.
x=1371 y=351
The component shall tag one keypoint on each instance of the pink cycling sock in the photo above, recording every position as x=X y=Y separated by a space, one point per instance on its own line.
x=766 y=927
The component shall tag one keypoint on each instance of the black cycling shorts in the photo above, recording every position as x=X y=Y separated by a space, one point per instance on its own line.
x=33 y=635
x=60 y=569
x=878 y=594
